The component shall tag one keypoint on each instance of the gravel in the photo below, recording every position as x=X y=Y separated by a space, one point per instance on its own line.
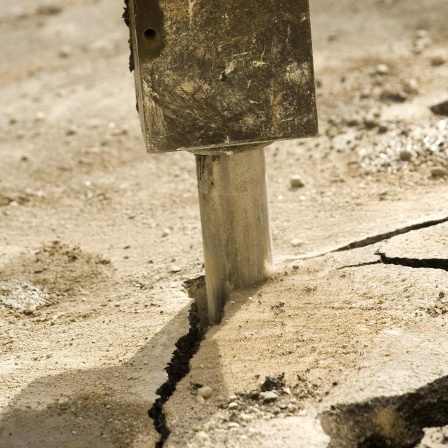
x=23 y=296
x=405 y=145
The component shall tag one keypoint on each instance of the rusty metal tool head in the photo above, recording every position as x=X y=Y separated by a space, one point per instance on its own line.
x=222 y=74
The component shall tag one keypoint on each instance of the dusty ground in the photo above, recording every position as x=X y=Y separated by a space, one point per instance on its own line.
x=97 y=239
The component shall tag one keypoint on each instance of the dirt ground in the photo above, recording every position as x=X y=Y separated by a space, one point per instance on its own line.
x=97 y=239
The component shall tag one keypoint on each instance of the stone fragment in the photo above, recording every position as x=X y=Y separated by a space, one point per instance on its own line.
x=406 y=155
x=40 y=116
x=233 y=405
x=246 y=417
x=296 y=182
x=65 y=52
x=394 y=94
x=205 y=392
x=382 y=69
x=411 y=86
x=71 y=130
x=439 y=59
x=440 y=108
x=296 y=242
x=30 y=307
x=439 y=171
x=202 y=435
x=269 y=396
x=434 y=438
x=200 y=400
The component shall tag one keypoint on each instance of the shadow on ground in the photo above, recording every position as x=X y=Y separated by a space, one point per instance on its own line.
x=81 y=408
x=388 y=421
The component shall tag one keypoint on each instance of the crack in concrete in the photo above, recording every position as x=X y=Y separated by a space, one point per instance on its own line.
x=179 y=366
x=369 y=241
x=418 y=263
x=360 y=265
x=188 y=345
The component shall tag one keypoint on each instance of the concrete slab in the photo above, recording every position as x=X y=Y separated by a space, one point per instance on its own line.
x=340 y=333
x=424 y=244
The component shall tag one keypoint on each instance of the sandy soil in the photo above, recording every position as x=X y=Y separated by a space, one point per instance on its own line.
x=97 y=238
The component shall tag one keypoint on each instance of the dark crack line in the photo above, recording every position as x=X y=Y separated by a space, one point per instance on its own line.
x=360 y=265
x=369 y=241
x=387 y=235
x=416 y=263
x=423 y=263
x=179 y=366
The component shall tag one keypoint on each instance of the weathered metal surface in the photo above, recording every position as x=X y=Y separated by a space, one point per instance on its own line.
x=235 y=224
x=222 y=74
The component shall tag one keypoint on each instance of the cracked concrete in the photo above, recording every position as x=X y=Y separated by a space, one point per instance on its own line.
x=426 y=248
x=393 y=233
x=345 y=329
x=358 y=331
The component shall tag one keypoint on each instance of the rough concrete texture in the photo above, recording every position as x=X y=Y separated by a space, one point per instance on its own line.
x=88 y=324
x=427 y=244
x=341 y=331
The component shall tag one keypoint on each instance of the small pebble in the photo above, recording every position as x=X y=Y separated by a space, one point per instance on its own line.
x=246 y=418
x=268 y=396
x=165 y=233
x=203 y=436
x=65 y=52
x=30 y=307
x=440 y=108
x=233 y=405
x=405 y=155
x=296 y=182
x=200 y=400
x=205 y=392
x=296 y=243
x=439 y=171
x=40 y=116
x=439 y=59
x=71 y=130
x=382 y=128
x=411 y=86
x=382 y=69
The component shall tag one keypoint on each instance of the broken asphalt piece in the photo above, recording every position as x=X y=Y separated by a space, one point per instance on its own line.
x=440 y=108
